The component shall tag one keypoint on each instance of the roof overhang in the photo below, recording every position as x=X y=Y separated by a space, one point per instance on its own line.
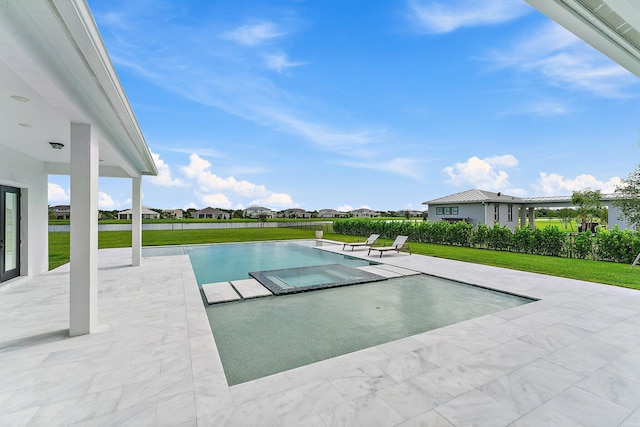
x=611 y=26
x=54 y=71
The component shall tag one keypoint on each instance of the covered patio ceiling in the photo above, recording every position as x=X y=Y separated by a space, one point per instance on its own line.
x=611 y=26
x=54 y=71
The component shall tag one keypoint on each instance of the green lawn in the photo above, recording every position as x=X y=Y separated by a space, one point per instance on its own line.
x=592 y=271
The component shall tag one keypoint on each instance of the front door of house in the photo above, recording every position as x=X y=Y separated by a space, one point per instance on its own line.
x=9 y=232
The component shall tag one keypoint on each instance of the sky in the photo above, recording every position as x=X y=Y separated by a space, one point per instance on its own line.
x=343 y=104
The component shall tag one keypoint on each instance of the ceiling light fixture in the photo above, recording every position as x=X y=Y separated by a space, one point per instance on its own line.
x=20 y=98
x=56 y=145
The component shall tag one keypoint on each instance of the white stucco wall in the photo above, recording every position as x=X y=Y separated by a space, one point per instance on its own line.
x=28 y=174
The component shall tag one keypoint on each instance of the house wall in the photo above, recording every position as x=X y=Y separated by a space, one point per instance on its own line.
x=614 y=213
x=475 y=212
x=28 y=174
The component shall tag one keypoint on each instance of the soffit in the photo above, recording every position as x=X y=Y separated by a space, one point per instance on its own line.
x=611 y=26
x=52 y=55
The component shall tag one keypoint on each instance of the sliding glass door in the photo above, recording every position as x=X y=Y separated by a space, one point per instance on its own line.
x=9 y=233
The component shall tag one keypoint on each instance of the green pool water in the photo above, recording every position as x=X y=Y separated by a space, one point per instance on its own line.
x=263 y=336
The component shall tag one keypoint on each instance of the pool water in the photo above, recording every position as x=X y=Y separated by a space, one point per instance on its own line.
x=263 y=336
x=226 y=262
x=300 y=279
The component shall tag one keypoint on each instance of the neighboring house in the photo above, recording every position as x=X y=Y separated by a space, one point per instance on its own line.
x=364 y=213
x=64 y=113
x=146 y=214
x=173 y=213
x=485 y=207
x=294 y=213
x=62 y=211
x=210 y=213
x=331 y=213
x=478 y=207
x=256 y=211
x=412 y=213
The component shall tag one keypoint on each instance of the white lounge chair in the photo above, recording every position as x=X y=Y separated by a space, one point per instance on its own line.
x=399 y=244
x=370 y=241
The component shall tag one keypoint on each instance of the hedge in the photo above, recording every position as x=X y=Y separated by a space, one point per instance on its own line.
x=615 y=245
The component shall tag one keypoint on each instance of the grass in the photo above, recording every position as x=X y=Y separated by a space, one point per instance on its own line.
x=591 y=271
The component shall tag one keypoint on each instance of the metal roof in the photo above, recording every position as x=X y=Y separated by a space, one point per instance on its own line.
x=478 y=196
x=474 y=196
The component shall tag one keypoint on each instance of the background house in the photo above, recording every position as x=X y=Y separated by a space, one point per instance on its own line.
x=212 y=213
x=331 y=213
x=256 y=211
x=364 y=213
x=294 y=213
x=173 y=213
x=485 y=207
x=145 y=212
x=61 y=211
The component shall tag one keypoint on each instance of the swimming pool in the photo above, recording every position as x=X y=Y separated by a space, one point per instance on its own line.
x=260 y=337
x=233 y=261
x=263 y=336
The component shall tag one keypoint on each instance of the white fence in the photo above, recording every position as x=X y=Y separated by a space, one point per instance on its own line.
x=309 y=225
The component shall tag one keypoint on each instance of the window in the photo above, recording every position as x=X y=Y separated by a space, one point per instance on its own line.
x=496 y=213
x=510 y=213
x=451 y=210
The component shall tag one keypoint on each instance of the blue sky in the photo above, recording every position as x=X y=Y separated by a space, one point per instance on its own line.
x=345 y=104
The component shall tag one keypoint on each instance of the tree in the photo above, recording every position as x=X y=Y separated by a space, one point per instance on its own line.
x=566 y=215
x=589 y=203
x=629 y=202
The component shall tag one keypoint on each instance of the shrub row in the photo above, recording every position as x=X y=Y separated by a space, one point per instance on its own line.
x=607 y=245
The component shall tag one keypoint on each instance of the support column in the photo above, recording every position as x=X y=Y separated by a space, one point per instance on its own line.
x=523 y=217
x=532 y=218
x=136 y=221
x=83 y=300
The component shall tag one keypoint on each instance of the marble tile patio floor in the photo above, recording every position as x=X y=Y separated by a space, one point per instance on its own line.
x=570 y=359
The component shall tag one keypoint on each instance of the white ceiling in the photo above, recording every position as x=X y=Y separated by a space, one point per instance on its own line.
x=52 y=55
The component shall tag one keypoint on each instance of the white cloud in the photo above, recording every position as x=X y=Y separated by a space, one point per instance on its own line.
x=485 y=174
x=280 y=200
x=208 y=182
x=190 y=205
x=57 y=195
x=213 y=190
x=106 y=202
x=553 y=184
x=216 y=200
x=164 y=178
x=254 y=34
x=344 y=208
x=444 y=17
x=280 y=62
x=562 y=59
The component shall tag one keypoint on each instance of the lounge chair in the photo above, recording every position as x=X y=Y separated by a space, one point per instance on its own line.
x=370 y=241
x=399 y=244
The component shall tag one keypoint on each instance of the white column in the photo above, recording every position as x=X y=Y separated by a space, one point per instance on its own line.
x=83 y=301
x=136 y=221
x=523 y=217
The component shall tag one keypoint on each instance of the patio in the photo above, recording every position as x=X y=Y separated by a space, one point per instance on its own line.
x=568 y=359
